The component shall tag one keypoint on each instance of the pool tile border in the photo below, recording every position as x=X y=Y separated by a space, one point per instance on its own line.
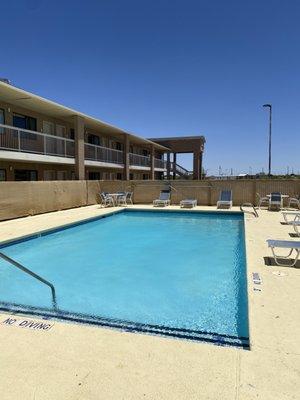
x=129 y=326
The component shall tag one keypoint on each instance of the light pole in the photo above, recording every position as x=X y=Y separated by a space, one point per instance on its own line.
x=270 y=134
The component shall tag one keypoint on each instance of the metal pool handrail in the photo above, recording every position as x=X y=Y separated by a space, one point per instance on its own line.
x=34 y=275
x=254 y=212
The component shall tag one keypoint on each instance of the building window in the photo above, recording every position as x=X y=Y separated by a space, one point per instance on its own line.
x=2 y=175
x=48 y=127
x=119 y=176
x=61 y=175
x=49 y=175
x=25 y=175
x=104 y=141
x=60 y=130
x=145 y=177
x=118 y=146
x=72 y=133
x=94 y=176
x=2 y=120
x=131 y=176
x=24 y=122
x=93 y=139
x=145 y=153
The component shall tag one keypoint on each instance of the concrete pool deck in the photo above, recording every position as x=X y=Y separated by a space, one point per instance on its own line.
x=72 y=361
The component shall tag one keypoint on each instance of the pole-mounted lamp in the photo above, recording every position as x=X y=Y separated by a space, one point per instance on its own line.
x=269 y=106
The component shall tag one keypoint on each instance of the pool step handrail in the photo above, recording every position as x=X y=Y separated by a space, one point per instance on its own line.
x=33 y=274
x=254 y=212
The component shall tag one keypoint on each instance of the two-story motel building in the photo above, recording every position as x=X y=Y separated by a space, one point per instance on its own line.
x=43 y=140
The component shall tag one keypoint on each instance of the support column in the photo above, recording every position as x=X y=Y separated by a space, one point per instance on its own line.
x=126 y=158
x=152 y=164
x=196 y=165
x=79 y=147
x=174 y=165
x=200 y=166
x=168 y=166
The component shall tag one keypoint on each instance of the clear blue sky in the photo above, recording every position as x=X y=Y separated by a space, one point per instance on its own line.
x=167 y=68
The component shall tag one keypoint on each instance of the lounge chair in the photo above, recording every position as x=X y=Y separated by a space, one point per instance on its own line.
x=225 y=199
x=284 y=244
x=294 y=201
x=106 y=199
x=163 y=200
x=293 y=214
x=296 y=226
x=262 y=200
x=275 y=201
x=188 y=203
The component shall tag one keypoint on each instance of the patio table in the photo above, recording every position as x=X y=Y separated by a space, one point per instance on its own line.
x=284 y=196
x=115 y=196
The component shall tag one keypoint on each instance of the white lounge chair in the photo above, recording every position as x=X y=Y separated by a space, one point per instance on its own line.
x=225 y=199
x=163 y=200
x=284 y=244
x=293 y=214
x=295 y=202
x=296 y=226
x=188 y=203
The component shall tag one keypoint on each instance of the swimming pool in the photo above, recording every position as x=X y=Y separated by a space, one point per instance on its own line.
x=180 y=274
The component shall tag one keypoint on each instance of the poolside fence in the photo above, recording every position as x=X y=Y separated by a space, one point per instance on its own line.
x=19 y=199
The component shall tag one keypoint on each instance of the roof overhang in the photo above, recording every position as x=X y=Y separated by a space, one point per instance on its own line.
x=182 y=144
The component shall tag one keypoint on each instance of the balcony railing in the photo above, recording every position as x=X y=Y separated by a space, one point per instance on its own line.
x=138 y=160
x=158 y=163
x=24 y=140
x=104 y=154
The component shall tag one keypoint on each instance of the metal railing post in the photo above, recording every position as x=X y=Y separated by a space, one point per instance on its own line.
x=19 y=140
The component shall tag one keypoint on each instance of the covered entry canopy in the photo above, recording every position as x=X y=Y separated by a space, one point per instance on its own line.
x=184 y=144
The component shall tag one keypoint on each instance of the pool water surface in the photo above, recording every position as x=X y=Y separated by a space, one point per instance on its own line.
x=179 y=274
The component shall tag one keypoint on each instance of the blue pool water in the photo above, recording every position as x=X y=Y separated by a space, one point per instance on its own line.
x=180 y=274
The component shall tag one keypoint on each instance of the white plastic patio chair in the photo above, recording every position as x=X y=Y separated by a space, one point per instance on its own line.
x=262 y=200
x=129 y=198
x=106 y=199
x=125 y=199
